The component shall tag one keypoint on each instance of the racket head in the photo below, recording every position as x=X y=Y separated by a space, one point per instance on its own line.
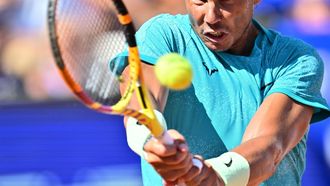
x=87 y=36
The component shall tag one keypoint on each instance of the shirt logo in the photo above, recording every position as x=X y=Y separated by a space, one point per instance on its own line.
x=210 y=71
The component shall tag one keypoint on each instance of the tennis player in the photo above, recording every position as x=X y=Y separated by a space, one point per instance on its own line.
x=247 y=113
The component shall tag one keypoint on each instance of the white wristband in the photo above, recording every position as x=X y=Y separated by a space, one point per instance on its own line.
x=137 y=135
x=232 y=167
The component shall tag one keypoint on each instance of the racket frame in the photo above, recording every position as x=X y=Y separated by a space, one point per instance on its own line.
x=146 y=115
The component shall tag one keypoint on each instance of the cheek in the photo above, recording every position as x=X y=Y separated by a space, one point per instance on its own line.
x=240 y=15
x=196 y=13
x=240 y=21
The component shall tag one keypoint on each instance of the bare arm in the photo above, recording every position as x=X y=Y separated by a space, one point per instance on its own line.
x=278 y=126
x=170 y=161
x=158 y=94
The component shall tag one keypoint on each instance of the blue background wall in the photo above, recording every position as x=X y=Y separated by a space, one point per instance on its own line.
x=63 y=143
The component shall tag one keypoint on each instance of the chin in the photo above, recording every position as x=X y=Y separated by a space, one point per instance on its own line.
x=224 y=46
x=216 y=48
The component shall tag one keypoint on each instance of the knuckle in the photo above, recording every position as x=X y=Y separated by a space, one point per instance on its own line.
x=161 y=150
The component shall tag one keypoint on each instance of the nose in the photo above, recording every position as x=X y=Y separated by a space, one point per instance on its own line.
x=213 y=13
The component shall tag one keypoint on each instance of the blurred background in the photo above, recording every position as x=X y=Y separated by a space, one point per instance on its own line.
x=47 y=138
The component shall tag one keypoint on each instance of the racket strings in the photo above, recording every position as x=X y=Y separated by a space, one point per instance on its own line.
x=89 y=37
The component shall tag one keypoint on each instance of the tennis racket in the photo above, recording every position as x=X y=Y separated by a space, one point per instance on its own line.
x=85 y=36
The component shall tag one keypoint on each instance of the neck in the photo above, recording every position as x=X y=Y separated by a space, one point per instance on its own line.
x=245 y=43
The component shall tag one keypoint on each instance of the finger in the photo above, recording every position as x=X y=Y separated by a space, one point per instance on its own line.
x=178 y=160
x=198 y=162
x=184 y=165
x=173 y=175
x=176 y=135
x=163 y=162
x=198 y=179
x=179 y=140
x=193 y=172
x=181 y=146
x=162 y=150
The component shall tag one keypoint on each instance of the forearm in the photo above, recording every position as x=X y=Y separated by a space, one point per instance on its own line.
x=252 y=162
x=277 y=127
x=262 y=160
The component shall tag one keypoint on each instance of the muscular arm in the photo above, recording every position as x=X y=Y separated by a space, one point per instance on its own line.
x=278 y=126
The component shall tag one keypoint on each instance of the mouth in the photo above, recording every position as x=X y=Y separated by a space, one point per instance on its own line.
x=214 y=36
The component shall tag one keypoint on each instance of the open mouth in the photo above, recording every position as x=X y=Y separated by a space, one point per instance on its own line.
x=215 y=36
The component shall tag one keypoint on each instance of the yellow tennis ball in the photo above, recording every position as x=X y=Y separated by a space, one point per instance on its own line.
x=174 y=71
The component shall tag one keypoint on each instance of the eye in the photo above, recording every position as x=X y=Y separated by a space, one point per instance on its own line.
x=199 y=2
x=227 y=1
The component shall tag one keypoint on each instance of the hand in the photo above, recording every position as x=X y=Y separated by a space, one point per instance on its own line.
x=170 y=161
x=205 y=177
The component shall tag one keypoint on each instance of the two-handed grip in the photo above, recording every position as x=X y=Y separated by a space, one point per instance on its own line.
x=166 y=139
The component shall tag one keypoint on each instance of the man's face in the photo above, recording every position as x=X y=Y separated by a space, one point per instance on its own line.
x=221 y=23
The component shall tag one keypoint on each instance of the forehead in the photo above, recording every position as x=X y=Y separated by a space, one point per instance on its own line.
x=223 y=1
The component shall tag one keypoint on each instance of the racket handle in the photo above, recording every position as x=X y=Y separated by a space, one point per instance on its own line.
x=165 y=138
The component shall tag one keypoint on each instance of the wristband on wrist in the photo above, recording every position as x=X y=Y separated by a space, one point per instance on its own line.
x=138 y=135
x=232 y=167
